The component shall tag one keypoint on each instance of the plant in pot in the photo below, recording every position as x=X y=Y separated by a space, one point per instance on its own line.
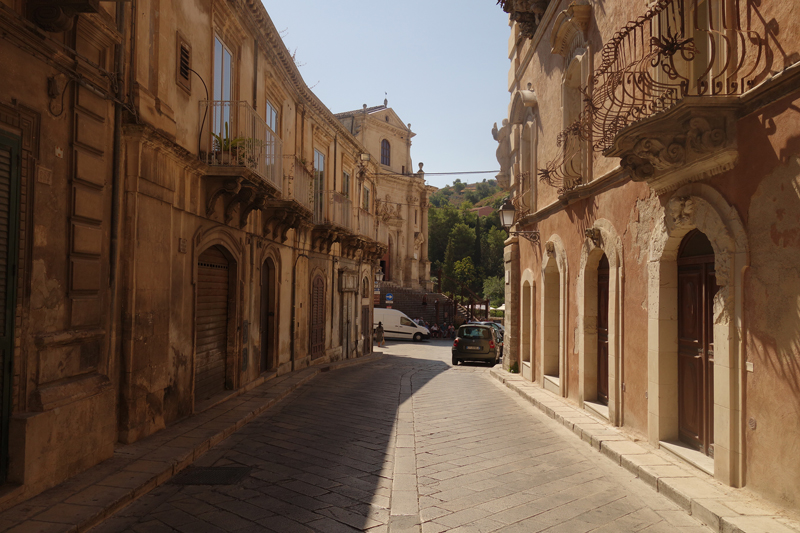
x=226 y=150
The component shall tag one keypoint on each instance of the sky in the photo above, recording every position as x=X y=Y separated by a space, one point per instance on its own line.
x=442 y=64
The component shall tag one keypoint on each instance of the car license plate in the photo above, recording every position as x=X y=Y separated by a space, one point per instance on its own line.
x=473 y=347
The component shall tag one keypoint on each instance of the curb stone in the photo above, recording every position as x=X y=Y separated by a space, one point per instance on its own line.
x=724 y=509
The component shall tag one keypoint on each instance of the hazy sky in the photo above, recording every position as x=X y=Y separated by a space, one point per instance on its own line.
x=444 y=65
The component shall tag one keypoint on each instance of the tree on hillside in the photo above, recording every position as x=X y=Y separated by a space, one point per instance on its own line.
x=458 y=186
x=493 y=252
x=463 y=238
x=494 y=290
x=466 y=273
x=440 y=223
x=478 y=239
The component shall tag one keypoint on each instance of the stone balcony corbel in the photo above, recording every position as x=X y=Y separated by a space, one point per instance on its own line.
x=692 y=141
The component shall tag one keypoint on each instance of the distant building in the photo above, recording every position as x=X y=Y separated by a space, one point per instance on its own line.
x=401 y=197
x=484 y=211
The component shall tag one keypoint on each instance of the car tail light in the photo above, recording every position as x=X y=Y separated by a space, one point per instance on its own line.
x=491 y=345
x=455 y=344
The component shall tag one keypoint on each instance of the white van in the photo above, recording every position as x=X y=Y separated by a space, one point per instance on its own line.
x=396 y=325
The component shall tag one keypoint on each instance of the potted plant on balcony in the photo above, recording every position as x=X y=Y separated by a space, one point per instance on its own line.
x=226 y=150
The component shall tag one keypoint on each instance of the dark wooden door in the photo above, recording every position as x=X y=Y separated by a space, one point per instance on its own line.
x=602 y=331
x=212 y=323
x=696 y=289
x=9 y=246
x=268 y=315
x=317 y=317
x=366 y=329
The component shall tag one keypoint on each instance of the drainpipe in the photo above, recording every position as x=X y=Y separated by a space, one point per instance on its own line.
x=116 y=175
x=294 y=307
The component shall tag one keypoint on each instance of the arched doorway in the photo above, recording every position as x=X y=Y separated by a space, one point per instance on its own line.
x=269 y=311
x=602 y=330
x=697 y=287
x=551 y=329
x=317 y=317
x=211 y=322
x=526 y=337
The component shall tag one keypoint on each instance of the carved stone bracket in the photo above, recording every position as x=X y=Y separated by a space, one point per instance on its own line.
x=323 y=238
x=280 y=216
x=693 y=141
x=527 y=13
x=241 y=199
x=229 y=186
x=352 y=245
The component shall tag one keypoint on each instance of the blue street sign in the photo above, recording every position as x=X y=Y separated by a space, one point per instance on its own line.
x=389 y=297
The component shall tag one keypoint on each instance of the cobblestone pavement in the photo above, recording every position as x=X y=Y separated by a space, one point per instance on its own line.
x=408 y=443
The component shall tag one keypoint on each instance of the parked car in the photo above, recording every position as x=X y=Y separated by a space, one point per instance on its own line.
x=499 y=330
x=476 y=342
x=397 y=325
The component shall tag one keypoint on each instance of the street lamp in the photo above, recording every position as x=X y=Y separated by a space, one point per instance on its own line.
x=379 y=274
x=507 y=214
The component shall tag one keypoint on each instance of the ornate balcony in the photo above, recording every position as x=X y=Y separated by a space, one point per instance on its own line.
x=527 y=13
x=235 y=140
x=366 y=224
x=302 y=189
x=665 y=97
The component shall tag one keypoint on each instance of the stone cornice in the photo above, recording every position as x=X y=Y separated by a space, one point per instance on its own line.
x=270 y=40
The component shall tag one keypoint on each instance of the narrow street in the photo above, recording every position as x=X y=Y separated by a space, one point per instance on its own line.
x=400 y=442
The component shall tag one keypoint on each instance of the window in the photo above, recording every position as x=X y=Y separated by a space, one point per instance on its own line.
x=386 y=153
x=184 y=66
x=223 y=78
x=272 y=117
x=319 y=183
x=366 y=199
x=346 y=184
x=415 y=216
x=406 y=322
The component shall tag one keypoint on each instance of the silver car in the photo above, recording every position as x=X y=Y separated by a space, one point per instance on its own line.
x=475 y=342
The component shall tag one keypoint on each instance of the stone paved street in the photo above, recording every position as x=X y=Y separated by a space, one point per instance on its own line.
x=407 y=443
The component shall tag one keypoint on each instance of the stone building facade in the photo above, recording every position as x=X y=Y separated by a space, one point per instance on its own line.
x=182 y=219
x=653 y=147
x=401 y=198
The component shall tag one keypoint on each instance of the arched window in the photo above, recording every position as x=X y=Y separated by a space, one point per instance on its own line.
x=386 y=153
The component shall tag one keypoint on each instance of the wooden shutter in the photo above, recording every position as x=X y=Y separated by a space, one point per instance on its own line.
x=211 y=323
x=9 y=244
x=318 y=318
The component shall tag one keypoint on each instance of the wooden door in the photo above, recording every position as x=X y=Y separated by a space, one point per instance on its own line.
x=268 y=315
x=602 y=331
x=696 y=289
x=213 y=282
x=9 y=246
x=317 y=317
x=366 y=329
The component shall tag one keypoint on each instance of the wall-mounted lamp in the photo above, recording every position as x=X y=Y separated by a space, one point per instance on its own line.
x=507 y=214
x=379 y=274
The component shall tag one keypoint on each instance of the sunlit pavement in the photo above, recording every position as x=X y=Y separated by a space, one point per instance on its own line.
x=407 y=443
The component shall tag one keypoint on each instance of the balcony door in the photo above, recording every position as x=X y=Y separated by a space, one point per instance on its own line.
x=222 y=93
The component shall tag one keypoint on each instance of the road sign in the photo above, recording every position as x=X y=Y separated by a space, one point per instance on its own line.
x=389 y=297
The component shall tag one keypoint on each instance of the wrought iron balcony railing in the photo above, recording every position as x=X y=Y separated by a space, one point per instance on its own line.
x=336 y=210
x=303 y=186
x=366 y=224
x=677 y=49
x=233 y=135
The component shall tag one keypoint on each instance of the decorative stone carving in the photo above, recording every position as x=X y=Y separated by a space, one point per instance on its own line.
x=527 y=13
x=419 y=239
x=570 y=27
x=681 y=211
x=503 y=153
x=693 y=141
x=550 y=248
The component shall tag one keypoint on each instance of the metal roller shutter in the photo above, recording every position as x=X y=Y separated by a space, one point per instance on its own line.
x=211 y=323
x=318 y=318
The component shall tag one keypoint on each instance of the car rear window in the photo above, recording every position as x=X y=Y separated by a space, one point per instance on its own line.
x=471 y=332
